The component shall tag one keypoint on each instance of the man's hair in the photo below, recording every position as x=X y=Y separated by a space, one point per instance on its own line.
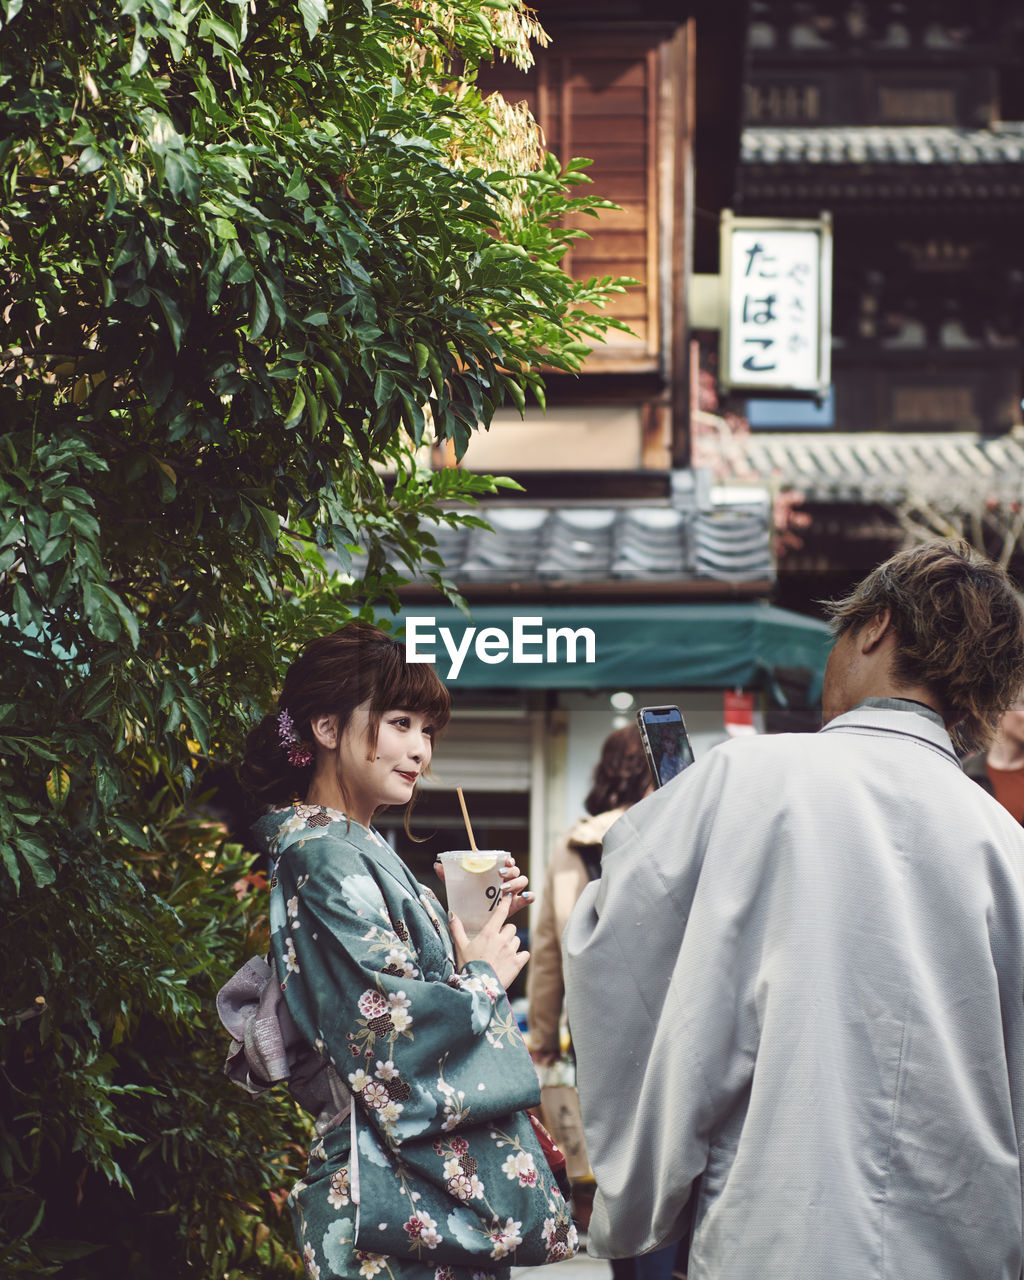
x=959 y=630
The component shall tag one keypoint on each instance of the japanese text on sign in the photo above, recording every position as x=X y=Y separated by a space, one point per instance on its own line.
x=774 y=308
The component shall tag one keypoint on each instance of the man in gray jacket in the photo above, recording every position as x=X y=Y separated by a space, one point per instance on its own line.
x=799 y=983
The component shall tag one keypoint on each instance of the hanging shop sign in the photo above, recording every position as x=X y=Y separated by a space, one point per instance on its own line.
x=777 y=285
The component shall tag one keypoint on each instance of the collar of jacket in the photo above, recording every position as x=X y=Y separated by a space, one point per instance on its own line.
x=911 y=723
x=592 y=829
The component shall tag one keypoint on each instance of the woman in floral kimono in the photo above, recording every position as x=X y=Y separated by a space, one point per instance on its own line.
x=435 y=1174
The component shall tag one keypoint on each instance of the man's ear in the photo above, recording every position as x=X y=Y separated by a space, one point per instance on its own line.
x=874 y=632
x=325 y=730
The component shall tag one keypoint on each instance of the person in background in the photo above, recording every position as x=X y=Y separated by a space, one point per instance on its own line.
x=1000 y=770
x=621 y=778
x=800 y=978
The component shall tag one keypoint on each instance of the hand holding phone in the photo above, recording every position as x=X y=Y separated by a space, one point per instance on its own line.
x=665 y=742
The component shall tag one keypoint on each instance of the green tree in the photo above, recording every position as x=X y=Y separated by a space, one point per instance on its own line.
x=256 y=257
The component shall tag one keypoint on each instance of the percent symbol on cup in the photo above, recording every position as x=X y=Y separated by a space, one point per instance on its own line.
x=494 y=893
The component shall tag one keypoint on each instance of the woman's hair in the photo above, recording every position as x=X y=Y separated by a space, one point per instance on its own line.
x=333 y=675
x=623 y=775
x=959 y=631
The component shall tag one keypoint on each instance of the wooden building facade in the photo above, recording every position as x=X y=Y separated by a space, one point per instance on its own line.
x=904 y=121
x=621 y=85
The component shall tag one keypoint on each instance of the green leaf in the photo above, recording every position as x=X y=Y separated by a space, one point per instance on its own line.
x=297 y=187
x=37 y=858
x=28 y=613
x=197 y=717
x=260 y=313
x=297 y=406
x=89 y=160
x=69 y=1250
x=218 y=27
x=54 y=550
x=13 y=531
x=172 y=316
x=131 y=831
x=180 y=175
x=140 y=54
x=383 y=386
x=270 y=525
x=518 y=395
x=104 y=624
x=10 y=862
x=313 y=13
x=127 y=618
x=58 y=786
x=330 y=385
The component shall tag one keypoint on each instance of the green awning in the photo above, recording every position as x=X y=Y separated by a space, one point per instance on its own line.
x=606 y=646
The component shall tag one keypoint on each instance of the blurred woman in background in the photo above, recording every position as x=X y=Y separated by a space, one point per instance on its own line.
x=621 y=778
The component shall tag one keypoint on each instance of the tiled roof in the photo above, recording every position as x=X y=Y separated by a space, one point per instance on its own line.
x=929 y=145
x=876 y=466
x=578 y=544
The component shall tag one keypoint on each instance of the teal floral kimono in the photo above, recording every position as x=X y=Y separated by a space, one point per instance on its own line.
x=416 y=1184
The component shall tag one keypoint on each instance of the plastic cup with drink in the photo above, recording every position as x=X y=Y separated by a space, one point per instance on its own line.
x=473 y=884
x=472 y=878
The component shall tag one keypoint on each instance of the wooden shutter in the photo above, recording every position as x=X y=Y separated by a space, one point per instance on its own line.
x=597 y=94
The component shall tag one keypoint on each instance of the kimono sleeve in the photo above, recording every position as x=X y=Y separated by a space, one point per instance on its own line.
x=658 y=989
x=421 y=1055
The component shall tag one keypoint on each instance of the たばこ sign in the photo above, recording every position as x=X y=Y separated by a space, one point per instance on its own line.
x=777 y=333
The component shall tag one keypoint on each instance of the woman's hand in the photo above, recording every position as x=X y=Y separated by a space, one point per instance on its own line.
x=514 y=888
x=497 y=943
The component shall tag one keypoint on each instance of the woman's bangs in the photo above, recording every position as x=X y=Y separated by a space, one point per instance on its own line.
x=414 y=686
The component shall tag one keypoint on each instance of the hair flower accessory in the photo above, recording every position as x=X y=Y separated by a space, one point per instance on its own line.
x=297 y=752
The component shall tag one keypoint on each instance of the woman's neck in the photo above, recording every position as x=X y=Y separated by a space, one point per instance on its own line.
x=1006 y=753
x=327 y=792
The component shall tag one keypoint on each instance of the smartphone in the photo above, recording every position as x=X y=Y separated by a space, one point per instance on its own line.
x=665 y=742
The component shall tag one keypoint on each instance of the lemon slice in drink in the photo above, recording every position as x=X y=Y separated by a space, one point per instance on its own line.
x=478 y=861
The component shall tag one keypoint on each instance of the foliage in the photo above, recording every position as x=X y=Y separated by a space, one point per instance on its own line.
x=133 y=1092
x=257 y=256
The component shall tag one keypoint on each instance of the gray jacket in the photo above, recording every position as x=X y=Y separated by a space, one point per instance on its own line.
x=801 y=976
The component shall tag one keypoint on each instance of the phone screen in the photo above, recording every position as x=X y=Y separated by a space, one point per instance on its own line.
x=665 y=742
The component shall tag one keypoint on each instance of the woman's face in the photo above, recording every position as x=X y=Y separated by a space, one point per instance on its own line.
x=405 y=743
